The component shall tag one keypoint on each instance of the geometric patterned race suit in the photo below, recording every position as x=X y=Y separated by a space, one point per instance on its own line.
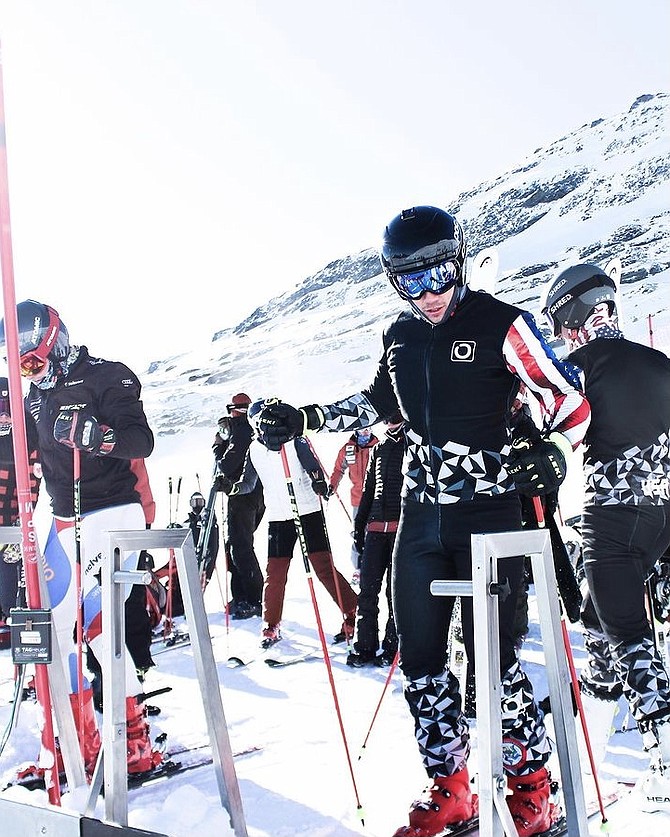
x=645 y=680
x=441 y=729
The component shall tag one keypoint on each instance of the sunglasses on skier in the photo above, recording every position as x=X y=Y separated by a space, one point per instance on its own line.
x=32 y=364
x=436 y=279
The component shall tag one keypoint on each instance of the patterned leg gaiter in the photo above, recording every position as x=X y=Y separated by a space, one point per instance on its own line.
x=526 y=745
x=599 y=677
x=645 y=680
x=441 y=730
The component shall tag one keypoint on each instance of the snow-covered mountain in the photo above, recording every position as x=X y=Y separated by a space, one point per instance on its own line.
x=599 y=192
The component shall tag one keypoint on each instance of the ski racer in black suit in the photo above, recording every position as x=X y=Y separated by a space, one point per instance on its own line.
x=453 y=365
x=626 y=514
x=92 y=405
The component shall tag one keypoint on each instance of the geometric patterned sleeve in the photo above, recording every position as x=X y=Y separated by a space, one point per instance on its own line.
x=555 y=384
x=351 y=413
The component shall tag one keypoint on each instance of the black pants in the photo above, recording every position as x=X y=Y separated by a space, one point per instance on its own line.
x=375 y=563
x=433 y=543
x=244 y=515
x=621 y=544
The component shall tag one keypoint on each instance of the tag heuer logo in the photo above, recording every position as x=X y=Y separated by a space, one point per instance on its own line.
x=463 y=351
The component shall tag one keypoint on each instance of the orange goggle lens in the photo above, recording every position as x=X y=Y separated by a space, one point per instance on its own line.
x=32 y=364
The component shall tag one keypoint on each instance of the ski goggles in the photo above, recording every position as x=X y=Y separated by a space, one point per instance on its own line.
x=436 y=279
x=32 y=364
x=5 y=415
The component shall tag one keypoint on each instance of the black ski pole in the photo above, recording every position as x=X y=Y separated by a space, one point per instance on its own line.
x=170 y=501
x=176 y=505
x=324 y=646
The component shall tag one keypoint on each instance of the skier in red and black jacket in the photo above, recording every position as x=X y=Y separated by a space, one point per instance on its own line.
x=453 y=365
x=84 y=403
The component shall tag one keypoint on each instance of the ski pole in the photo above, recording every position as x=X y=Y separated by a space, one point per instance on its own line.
x=20 y=448
x=176 y=505
x=224 y=598
x=580 y=708
x=76 y=469
x=336 y=579
x=324 y=646
x=170 y=501
x=539 y=512
x=376 y=712
x=335 y=491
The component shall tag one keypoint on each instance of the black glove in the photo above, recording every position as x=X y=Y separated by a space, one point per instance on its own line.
x=278 y=422
x=359 y=540
x=320 y=487
x=79 y=429
x=537 y=468
x=223 y=483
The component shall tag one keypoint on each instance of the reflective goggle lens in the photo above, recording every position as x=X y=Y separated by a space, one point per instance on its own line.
x=5 y=417
x=32 y=364
x=437 y=280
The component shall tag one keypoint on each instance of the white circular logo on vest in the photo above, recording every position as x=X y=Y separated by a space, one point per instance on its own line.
x=463 y=351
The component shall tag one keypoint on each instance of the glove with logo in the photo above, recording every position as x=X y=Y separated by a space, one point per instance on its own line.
x=278 y=423
x=537 y=468
x=319 y=485
x=79 y=429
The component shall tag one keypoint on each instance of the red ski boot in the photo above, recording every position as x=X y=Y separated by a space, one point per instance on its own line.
x=530 y=804
x=447 y=802
x=142 y=757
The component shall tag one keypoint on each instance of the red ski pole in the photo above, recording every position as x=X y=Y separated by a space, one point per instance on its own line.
x=322 y=636
x=539 y=513
x=20 y=446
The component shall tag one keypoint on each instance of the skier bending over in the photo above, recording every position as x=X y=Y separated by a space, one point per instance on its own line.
x=452 y=365
x=626 y=515
x=93 y=405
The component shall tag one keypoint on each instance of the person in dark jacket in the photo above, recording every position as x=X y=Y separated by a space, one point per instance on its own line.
x=375 y=528
x=452 y=365
x=244 y=512
x=626 y=513
x=12 y=592
x=89 y=408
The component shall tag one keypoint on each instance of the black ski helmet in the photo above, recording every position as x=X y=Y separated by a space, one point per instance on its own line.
x=574 y=293
x=254 y=413
x=41 y=331
x=420 y=238
x=197 y=501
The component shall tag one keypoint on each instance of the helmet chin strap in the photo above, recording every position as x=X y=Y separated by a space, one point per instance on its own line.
x=456 y=298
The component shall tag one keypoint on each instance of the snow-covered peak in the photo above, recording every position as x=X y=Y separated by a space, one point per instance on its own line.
x=600 y=192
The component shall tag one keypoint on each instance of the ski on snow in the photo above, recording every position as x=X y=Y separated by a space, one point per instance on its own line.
x=174 y=764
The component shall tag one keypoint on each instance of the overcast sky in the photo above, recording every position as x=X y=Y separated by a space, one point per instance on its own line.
x=175 y=163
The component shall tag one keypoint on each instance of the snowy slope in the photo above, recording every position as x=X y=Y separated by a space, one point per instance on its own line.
x=298 y=783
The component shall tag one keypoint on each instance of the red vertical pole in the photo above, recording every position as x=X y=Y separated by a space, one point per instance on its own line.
x=19 y=437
